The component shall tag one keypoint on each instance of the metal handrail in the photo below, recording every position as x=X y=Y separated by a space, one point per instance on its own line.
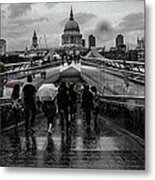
x=31 y=69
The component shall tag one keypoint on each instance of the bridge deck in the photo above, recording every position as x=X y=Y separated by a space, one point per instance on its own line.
x=110 y=149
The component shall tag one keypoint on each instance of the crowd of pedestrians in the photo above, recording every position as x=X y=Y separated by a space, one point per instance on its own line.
x=65 y=104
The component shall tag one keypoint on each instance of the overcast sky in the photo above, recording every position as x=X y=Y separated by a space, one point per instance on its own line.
x=103 y=19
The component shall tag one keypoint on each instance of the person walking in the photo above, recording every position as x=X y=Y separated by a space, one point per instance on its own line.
x=87 y=105
x=72 y=102
x=29 y=98
x=96 y=102
x=15 y=99
x=63 y=103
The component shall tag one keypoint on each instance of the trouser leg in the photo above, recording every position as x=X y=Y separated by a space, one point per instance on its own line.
x=33 y=111
x=62 y=119
x=88 y=117
x=67 y=121
x=27 y=115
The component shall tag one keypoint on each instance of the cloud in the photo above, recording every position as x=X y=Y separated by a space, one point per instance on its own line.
x=50 y=5
x=81 y=18
x=103 y=30
x=2 y=13
x=103 y=27
x=130 y=26
x=132 y=22
x=28 y=22
x=18 y=10
x=3 y=10
x=18 y=24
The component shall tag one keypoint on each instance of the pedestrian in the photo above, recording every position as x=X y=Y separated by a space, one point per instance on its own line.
x=87 y=105
x=72 y=102
x=49 y=108
x=29 y=98
x=63 y=103
x=126 y=88
x=96 y=102
x=16 y=106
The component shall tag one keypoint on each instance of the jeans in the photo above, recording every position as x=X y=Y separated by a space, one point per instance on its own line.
x=29 y=122
x=64 y=119
x=88 y=117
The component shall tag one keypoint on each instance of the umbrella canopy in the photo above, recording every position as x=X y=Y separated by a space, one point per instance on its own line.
x=12 y=83
x=47 y=92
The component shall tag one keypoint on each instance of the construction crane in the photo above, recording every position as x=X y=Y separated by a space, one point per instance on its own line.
x=45 y=41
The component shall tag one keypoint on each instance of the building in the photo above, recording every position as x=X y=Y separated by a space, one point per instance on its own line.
x=113 y=49
x=83 y=43
x=132 y=55
x=35 y=44
x=140 y=49
x=119 y=40
x=71 y=36
x=2 y=47
x=120 y=43
x=121 y=47
x=91 y=41
x=140 y=43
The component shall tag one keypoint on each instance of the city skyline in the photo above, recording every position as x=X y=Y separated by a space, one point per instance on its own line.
x=18 y=22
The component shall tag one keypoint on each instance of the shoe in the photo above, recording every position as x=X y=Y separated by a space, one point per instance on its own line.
x=50 y=129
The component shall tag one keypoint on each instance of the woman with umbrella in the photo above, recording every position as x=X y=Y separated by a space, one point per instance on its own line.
x=47 y=94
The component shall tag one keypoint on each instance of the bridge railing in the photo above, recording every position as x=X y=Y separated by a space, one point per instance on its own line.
x=6 y=116
x=7 y=120
x=98 y=62
x=125 y=112
x=31 y=70
x=134 y=77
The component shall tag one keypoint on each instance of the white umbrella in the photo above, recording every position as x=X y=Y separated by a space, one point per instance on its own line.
x=47 y=92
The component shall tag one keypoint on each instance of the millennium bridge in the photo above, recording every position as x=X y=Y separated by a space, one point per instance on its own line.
x=120 y=142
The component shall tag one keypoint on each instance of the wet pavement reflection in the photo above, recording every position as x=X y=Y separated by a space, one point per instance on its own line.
x=106 y=149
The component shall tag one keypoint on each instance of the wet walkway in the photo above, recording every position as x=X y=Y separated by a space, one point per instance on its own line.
x=109 y=148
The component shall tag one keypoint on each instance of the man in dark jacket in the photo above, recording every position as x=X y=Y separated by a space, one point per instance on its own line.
x=63 y=103
x=29 y=98
x=72 y=102
x=87 y=105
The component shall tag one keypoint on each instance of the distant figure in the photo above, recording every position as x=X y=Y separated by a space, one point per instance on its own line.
x=72 y=102
x=16 y=105
x=29 y=98
x=87 y=105
x=49 y=108
x=96 y=102
x=63 y=103
x=127 y=89
x=63 y=59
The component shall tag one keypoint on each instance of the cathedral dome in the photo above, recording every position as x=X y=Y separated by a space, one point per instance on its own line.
x=71 y=25
x=71 y=36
